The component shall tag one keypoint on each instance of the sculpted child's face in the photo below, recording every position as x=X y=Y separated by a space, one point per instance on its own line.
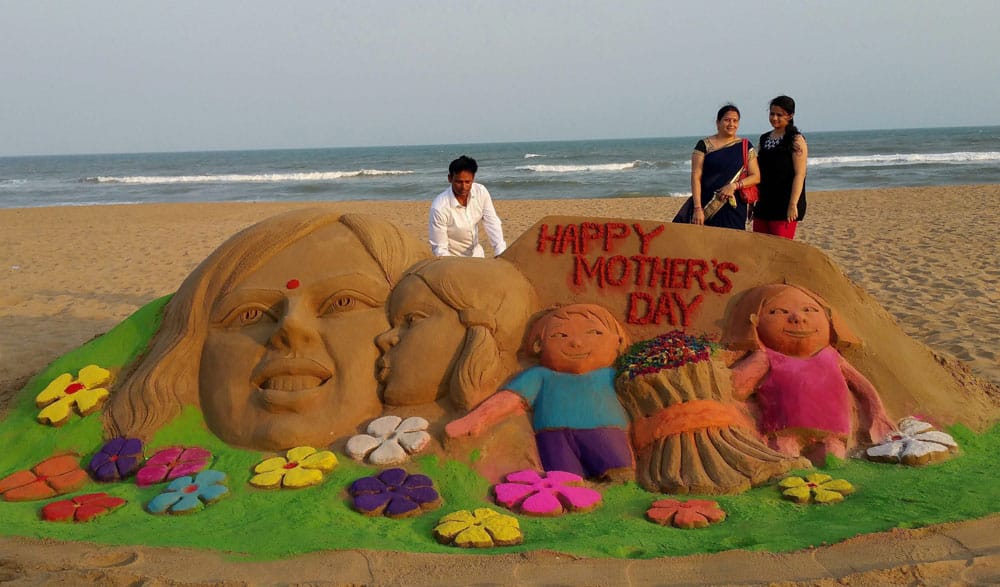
x=420 y=350
x=577 y=344
x=793 y=324
x=289 y=358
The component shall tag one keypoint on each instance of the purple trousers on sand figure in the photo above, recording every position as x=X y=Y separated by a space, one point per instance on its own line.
x=589 y=453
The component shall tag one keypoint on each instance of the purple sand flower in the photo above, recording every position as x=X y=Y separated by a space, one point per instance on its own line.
x=395 y=494
x=117 y=459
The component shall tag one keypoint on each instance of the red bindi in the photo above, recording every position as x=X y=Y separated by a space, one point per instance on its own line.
x=292 y=283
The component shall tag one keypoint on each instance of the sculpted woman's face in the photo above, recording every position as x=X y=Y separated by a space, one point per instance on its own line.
x=290 y=357
x=793 y=324
x=421 y=348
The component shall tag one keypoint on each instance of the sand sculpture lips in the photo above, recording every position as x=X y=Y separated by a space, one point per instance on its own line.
x=290 y=383
x=800 y=333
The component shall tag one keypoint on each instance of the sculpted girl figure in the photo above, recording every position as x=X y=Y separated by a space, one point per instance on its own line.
x=810 y=400
x=272 y=336
x=457 y=324
x=580 y=426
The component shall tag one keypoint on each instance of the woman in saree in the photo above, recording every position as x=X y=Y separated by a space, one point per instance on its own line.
x=717 y=172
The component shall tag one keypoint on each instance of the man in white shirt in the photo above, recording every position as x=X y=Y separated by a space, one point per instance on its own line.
x=457 y=212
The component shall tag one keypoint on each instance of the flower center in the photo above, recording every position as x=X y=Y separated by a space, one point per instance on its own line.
x=74 y=387
x=113 y=458
x=291 y=465
x=190 y=488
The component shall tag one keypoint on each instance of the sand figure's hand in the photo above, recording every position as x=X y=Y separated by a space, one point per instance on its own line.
x=468 y=425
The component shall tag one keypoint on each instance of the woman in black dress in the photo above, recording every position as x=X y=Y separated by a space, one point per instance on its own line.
x=782 y=160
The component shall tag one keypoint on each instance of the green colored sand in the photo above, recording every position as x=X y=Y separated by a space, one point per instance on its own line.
x=255 y=524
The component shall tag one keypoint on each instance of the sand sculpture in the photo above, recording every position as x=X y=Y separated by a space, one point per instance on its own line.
x=283 y=335
x=457 y=326
x=803 y=388
x=272 y=336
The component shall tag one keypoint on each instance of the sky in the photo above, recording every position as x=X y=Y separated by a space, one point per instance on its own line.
x=120 y=77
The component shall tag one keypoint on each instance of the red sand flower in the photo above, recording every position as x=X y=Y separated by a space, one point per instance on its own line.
x=694 y=513
x=82 y=508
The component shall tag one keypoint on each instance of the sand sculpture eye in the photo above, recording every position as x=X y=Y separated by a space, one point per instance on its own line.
x=344 y=301
x=412 y=318
x=247 y=315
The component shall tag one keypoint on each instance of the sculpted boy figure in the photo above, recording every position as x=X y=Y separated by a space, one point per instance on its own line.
x=580 y=426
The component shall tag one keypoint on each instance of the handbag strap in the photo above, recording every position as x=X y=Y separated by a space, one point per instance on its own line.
x=746 y=164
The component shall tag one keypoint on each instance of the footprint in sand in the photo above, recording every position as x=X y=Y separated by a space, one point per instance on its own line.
x=111 y=560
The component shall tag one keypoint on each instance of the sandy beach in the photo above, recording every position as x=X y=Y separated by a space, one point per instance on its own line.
x=928 y=255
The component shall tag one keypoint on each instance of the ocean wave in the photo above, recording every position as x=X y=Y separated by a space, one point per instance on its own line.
x=582 y=168
x=245 y=178
x=906 y=159
x=532 y=155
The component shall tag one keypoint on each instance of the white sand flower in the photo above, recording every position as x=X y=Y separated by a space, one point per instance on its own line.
x=390 y=440
x=916 y=443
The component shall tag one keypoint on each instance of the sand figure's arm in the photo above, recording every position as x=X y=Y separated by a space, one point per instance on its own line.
x=748 y=372
x=872 y=413
x=495 y=408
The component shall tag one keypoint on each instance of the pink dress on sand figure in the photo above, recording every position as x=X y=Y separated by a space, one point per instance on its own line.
x=806 y=393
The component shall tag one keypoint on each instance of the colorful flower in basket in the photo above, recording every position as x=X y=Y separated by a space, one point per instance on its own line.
x=301 y=466
x=916 y=443
x=82 y=508
x=390 y=440
x=547 y=494
x=395 y=494
x=171 y=463
x=53 y=476
x=118 y=459
x=816 y=487
x=667 y=351
x=189 y=494
x=693 y=513
x=85 y=393
x=481 y=528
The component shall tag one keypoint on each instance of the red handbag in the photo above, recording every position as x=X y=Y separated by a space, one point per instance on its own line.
x=749 y=194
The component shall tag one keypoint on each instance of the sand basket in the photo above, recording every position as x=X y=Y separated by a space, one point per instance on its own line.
x=689 y=434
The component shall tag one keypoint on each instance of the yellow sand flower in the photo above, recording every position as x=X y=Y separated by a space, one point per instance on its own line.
x=85 y=393
x=482 y=528
x=301 y=466
x=816 y=487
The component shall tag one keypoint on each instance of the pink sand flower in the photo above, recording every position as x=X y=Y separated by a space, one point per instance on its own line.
x=547 y=494
x=171 y=463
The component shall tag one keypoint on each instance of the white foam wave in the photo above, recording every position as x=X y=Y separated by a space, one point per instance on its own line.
x=906 y=159
x=246 y=178
x=532 y=155
x=581 y=168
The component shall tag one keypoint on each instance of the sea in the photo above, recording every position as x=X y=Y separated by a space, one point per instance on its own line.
x=607 y=168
